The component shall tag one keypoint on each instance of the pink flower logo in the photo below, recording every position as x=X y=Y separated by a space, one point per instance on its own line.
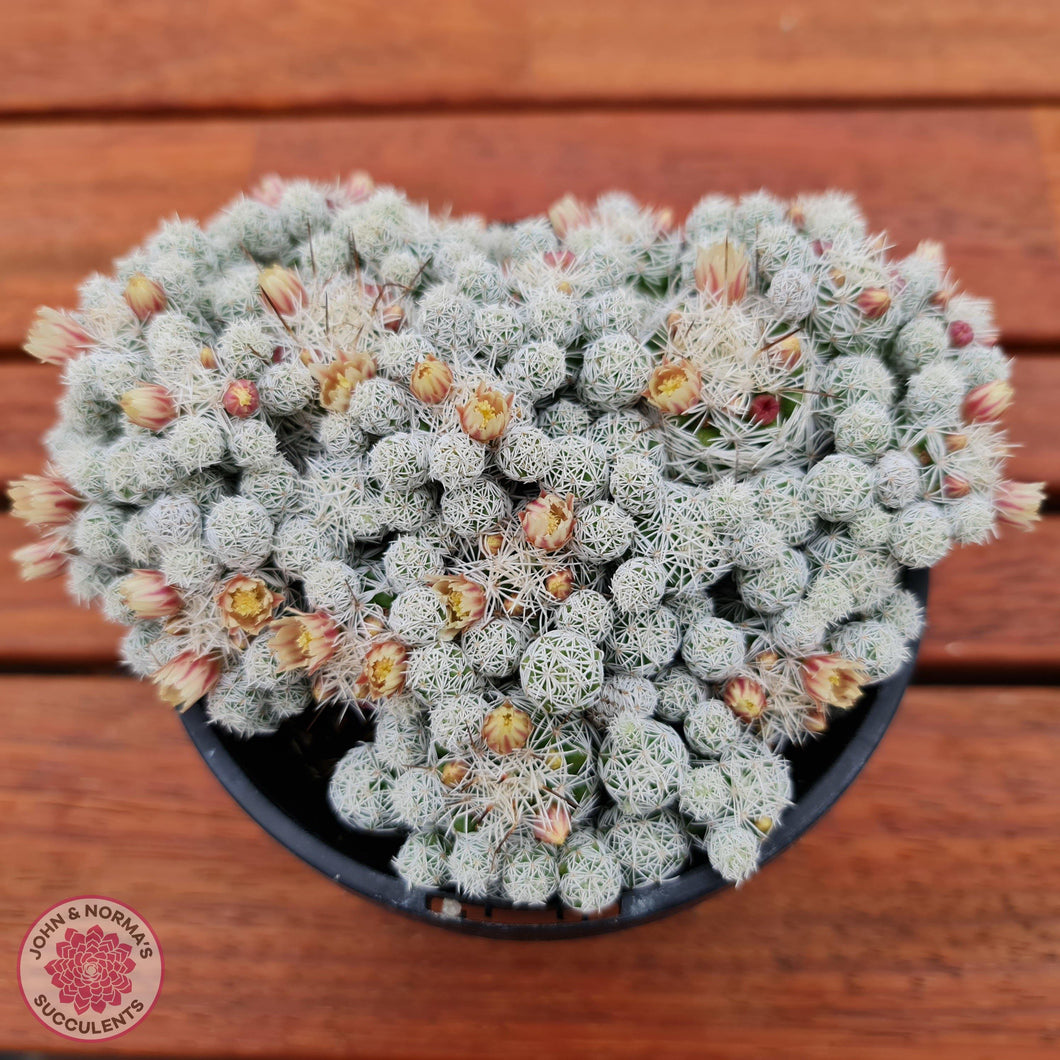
x=92 y=969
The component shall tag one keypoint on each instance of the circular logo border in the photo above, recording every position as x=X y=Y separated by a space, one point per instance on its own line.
x=61 y=905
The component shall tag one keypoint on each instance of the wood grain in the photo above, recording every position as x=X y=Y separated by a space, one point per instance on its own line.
x=237 y=54
x=73 y=196
x=917 y=919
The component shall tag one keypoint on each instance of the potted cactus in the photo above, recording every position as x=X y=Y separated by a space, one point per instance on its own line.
x=545 y=551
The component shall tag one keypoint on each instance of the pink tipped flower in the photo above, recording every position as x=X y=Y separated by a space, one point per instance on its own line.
x=961 y=333
x=149 y=405
x=269 y=189
x=358 y=186
x=341 y=377
x=874 y=302
x=552 y=825
x=722 y=271
x=464 y=601
x=303 y=642
x=564 y=259
x=145 y=297
x=54 y=337
x=674 y=387
x=988 y=402
x=506 y=729
x=41 y=559
x=745 y=697
x=246 y=605
x=560 y=584
x=548 y=522
x=241 y=398
x=42 y=500
x=1019 y=503
x=148 y=595
x=281 y=289
x=207 y=358
x=765 y=408
x=393 y=317
x=831 y=679
x=383 y=673
x=431 y=380
x=452 y=773
x=785 y=352
x=954 y=487
x=568 y=213
x=187 y=678
x=485 y=415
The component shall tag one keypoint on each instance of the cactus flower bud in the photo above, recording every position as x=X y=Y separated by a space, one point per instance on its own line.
x=785 y=352
x=485 y=415
x=269 y=189
x=548 y=522
x=303 y=642
x=816 y=720
x=552 y=825
x=988 y=402
x=149 y=405
x=831 y=679
x=148 y=595
x=960 y=334
x=722 y=271
x=54 y=337
x=281 y=289
x=513 y=606
x=383 y=673
x=339 y=378
x=745 y=697
x=506 y=729
x=207 y=358
x=393 y=317
x=452 y=773
x=431 y=380
x=560 y=584
x=45 y=558
x=955 y=487
x=568 y=213
x=464 y=601
x=674 y=387
x=874 y=302
x=187 y=678
x=241 y=398
x=956 y=442
x=1019 y=503
x=145 y=297
x=765 y=408
x=42 y=500
x=247 y=605
x=492 y=544
x=358 y=186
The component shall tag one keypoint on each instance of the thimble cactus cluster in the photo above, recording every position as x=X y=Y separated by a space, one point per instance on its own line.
x=590 y=515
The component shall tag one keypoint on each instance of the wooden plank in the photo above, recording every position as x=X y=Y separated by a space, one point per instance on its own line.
x=28 y=392
x=232 y=54
x=74 y=196
x=921 y=917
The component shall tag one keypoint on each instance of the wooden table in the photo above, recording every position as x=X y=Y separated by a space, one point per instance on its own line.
x=922 y=916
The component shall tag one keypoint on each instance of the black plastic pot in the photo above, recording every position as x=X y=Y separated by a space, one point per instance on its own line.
x=281 y=781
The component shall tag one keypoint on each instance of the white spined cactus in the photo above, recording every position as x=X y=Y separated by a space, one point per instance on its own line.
x=583 y=516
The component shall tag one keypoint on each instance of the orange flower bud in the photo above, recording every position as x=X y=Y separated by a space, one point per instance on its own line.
x=1019 y=503
x=453 y=773
x=722 y=271
x=431 y=380
x=341 y=377
x=874 y=302
x=40 y=559
x=548 y=522
x=247 y=605
x=145 y=297
x=485 y=416
x=506 y=729
x=148 y=595
x=383 y=673
x=492 y=543
x=281 y=289
x=393 y=317
x=149 y=405
x=207 y=358
x=745 y=697
x=54 y=337
x=831 y=679
x=41 y=500
x=560 y=584
x=786 y=352
x=988 y=402
x=816 y=720
x=303 y=642
x=464 y=601
x=956 y=442
x=241 y=398
x=513 y=606
x=674 y=387
x=552 y=825
x=187 y=678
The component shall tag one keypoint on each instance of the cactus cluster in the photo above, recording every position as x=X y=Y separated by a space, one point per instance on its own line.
x=591 y=514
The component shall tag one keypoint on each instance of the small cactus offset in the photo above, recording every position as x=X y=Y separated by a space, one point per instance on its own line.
x=591 y=515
